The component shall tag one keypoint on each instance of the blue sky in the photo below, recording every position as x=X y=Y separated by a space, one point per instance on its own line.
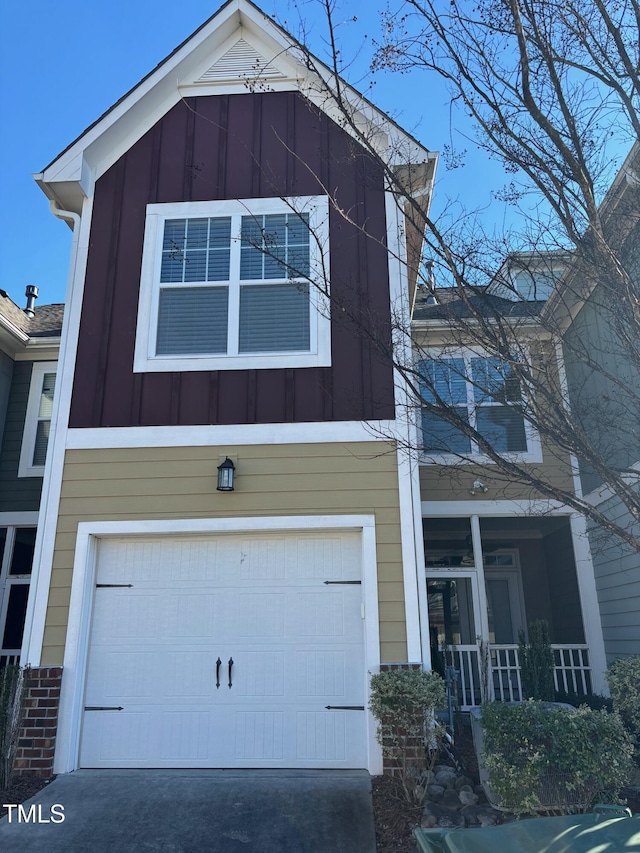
x=63 y=64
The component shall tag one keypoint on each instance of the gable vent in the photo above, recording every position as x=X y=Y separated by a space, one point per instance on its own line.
x=242 y=60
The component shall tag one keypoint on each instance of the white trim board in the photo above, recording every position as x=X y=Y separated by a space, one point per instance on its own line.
x=83 y=585
x=230 y=434
x=533 y=509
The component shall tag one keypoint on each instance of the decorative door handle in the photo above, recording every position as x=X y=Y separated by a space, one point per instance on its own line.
x=218 y=665
x=230 y=665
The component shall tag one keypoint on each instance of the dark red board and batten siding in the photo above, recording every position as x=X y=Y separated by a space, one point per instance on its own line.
x=227 y=147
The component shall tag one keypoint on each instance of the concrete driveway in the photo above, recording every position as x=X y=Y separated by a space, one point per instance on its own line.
x=197 y=811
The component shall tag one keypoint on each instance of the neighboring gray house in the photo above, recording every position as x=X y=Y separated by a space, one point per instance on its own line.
x=29 y=344
x=595 y=326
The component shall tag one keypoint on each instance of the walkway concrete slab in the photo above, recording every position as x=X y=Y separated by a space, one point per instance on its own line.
x=197 y=811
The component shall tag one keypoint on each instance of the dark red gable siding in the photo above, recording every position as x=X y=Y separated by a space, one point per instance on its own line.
x=227 y=147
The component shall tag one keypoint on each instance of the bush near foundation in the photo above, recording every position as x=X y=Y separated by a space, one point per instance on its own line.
x=554 y=759
x=403 y=702
x=623 y=677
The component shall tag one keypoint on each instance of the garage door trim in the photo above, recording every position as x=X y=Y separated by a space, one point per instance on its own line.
x=83 y=590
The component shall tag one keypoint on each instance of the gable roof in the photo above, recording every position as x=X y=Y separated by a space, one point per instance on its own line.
x=237 y=49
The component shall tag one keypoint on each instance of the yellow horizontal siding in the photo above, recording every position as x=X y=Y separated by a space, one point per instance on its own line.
x=180 y=482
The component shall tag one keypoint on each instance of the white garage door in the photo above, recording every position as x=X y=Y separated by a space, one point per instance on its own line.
x=227 y=651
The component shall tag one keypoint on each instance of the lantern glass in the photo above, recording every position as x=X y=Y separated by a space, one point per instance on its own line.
x=225 y=475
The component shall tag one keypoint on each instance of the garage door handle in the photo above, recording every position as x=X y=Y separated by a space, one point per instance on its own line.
x=218 y=665
x=230 y=665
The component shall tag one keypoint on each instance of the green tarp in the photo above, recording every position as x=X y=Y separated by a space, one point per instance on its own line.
x=588 y=833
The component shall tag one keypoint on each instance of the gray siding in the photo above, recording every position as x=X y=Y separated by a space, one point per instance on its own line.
x=6 y=372
x=610 y=416
x=17 y=494
x=617 y=572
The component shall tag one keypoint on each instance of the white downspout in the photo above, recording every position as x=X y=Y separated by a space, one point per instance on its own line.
x=32 y=640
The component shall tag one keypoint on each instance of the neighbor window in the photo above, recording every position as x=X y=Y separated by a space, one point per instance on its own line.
x=485 y=393
x=35 y=438
x=16 y=561
x=232 y=284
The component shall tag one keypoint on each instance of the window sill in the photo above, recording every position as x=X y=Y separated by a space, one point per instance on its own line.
x=251 y=361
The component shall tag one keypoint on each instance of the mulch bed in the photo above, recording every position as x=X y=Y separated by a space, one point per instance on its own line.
x=394 y=817
x=21 y=789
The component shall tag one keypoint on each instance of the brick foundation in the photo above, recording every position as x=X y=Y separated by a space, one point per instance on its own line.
x=415 y=752
x=37 y=738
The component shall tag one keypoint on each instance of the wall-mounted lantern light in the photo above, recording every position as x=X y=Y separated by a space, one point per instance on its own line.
x=226 y=472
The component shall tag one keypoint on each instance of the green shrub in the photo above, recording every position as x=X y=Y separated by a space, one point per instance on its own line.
x=536 y=662
x=556 y=759
x=595 y=701
x=623 y=677
x=403 y=702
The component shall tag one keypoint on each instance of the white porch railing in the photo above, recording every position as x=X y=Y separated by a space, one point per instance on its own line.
x=8 y=657
x=572 y=672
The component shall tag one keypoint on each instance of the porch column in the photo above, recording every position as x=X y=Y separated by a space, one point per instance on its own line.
x=483 y=627
x=589 y=603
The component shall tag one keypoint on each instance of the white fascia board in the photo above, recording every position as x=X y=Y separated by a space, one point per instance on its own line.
x=12 y=339
x=233 y=435
x=100 y=146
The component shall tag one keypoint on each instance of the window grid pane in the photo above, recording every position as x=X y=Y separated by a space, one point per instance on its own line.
x=274 y=246
x=196 y=250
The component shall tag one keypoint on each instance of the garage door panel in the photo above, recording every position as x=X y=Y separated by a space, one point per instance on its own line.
x=120 y=675
x=260 y=673
x=321 y=736
x=259 y=614
x=188 y=616
x=296 y=644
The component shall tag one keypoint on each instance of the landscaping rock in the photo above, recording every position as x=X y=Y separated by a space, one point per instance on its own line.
x=450 y=799
x=446 y=777
x=435 y=792
x=451 y=818
x=462 y=782
x=431 y=810
x=467 y=797
x=470 y=815
x=489 y=816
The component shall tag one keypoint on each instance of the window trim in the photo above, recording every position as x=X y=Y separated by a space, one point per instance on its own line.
x=7 y=581
x=533 y=453
x=26 y=468
x=145 y=360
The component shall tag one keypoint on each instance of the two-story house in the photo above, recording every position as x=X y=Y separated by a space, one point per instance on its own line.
x=228 y=545
x=499 y=552
x=29 y=343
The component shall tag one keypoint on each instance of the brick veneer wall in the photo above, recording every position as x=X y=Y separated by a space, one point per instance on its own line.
x=37 y=738
x=415 y=752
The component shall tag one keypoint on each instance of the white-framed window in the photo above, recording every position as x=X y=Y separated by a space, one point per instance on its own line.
x=37 y=424
x=233 y=285
x=17 y=545
x=486 y=393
